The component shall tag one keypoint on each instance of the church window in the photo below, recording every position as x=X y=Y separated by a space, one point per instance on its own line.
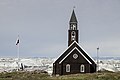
x=74 y=27
x=73 y=35
x=68 y=68
x=75 y=56
x=82 y=68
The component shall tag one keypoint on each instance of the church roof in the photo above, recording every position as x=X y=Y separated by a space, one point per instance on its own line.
x=71 y=52
x=73 y=46
x=73 y=17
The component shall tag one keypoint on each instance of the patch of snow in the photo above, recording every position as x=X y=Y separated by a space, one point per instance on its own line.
x=46 y=64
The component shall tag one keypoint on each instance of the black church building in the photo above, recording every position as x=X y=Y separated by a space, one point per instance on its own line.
x=74 y=59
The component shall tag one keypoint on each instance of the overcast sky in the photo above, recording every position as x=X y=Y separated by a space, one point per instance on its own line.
x=43 y=26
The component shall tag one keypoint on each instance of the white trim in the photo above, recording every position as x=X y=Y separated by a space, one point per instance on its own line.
x=69 y=54
x=64 y=51
x=82 y=68
x=74 y=27
x=75 y=56
x=85 y=52
x=68 y=68
x=80 y=47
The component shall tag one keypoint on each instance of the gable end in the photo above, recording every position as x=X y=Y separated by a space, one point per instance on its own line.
x=86 y=54
x=71 y=52
x=63 y=53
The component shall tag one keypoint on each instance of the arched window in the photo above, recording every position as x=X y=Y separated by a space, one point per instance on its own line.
x=68 y=68
x=74 y=27
x=73 y=35
x=82 y=68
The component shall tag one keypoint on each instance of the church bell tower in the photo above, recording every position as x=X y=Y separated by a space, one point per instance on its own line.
x=74 y=59
x=73 y=31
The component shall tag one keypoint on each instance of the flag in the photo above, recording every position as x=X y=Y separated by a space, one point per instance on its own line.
x=17 y=42
x=98 y=48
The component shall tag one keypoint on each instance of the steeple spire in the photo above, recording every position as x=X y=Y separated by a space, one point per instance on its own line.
x=73 y=18
x=73 y=31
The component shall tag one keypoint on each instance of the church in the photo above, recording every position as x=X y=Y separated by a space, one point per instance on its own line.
x=74 y=59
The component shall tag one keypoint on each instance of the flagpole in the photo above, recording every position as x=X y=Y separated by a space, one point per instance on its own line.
x=18 y=56
x=18 y=51
x=98 y=59
x=18 y=46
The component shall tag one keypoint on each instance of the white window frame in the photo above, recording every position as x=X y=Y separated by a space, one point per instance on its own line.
x=75 y=56
x=82 y=68
x=68 y=68
x=74 y=27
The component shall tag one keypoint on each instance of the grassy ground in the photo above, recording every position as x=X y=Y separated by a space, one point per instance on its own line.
x=45 y=76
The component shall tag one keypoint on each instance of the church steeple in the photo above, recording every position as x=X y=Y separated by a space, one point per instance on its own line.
x=73 y=18
x=74 y=59
x=73 y=31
